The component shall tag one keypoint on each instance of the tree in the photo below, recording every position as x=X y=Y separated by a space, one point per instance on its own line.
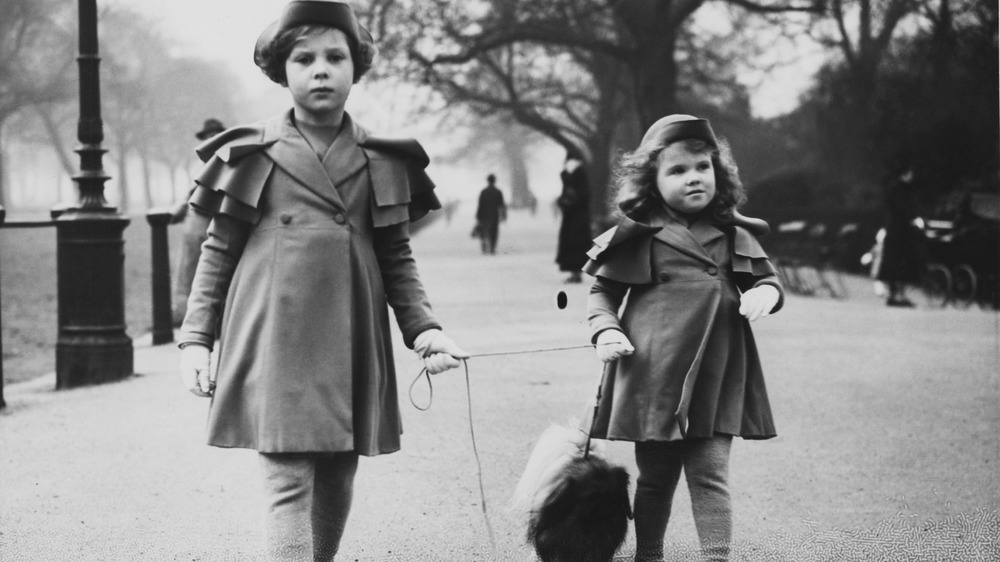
x=949 y=133
x=584 y=73
x=36 y=52
x=930 y=105
x=156 y=100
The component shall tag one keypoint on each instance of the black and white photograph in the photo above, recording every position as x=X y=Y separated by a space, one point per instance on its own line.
x=500 y=281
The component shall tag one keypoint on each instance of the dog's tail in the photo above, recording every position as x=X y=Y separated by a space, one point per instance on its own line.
x=556 y=448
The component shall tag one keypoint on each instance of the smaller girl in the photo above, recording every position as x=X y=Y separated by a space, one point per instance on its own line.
x=687 y=377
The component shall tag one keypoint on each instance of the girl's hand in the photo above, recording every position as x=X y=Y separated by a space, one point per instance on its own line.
x=612 y=344
x=438 y=351
x=195 y=370
x=759 y=301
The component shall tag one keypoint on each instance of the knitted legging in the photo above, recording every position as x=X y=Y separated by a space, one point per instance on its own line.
x=308 y=500
x=706 y=467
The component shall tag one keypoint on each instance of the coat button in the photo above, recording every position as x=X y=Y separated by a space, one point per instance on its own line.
x=285 y=218
x=339 y=218
x=712 y=271
x=663 y=276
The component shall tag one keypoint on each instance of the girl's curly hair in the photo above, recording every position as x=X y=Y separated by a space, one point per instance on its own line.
x=636 y=193
x=271 y=57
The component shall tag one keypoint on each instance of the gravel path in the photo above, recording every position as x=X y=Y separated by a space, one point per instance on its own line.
x=888 y=447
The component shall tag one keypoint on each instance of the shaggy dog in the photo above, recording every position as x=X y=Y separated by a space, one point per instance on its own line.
x=578 y=502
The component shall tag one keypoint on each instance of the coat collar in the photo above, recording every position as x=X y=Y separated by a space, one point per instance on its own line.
x=667 y=227
x=292 y=153
x=675 y=231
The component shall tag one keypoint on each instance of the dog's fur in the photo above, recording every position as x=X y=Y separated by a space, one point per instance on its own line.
x=578 y=507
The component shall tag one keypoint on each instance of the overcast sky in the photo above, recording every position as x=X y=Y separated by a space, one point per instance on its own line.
x=217 y=29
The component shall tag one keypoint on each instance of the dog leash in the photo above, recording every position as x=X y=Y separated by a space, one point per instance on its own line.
x=597 y=404
x=472 y=434
x=430 y=387
x=472 y=431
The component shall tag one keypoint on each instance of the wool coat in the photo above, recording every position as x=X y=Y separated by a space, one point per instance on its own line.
x=574 y=230
x=302 y=258
x=902 y=250
x=695 y=371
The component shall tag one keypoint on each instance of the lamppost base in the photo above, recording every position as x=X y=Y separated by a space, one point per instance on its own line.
x=84 y=360
x=92 y=346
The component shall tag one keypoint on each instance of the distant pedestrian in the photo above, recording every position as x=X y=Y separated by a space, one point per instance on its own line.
x=574 y=204
x=902 y=257
x=308 y=243
x=489 y=214
x=694 y=276
x=195 y=226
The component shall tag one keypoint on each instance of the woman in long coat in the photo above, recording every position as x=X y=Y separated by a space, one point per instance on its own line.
x=574 y=203
x=902 y=249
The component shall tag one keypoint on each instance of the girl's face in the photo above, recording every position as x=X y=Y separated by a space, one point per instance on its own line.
x=320 y=75
x=685 y=179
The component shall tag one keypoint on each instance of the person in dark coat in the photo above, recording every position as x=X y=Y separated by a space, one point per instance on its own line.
x=574 y=204
x=195 y=226
x=308 y=243
x=685 y=376
x=901 y=260
x=489 y=214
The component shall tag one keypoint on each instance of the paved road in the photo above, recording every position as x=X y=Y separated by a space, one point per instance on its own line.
x=889 y=442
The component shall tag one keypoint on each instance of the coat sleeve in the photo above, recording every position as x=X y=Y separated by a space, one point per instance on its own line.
x=220 y=253
x=403 y=288
x=752 y=267
x=603 y=303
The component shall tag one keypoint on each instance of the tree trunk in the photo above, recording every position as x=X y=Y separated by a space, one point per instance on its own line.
x=147 y=186
x=56 y=140
x=4 y=184
x=123 y=191
x=654 y=26
x=173 y=183
x=610 y=124
x=520 y=192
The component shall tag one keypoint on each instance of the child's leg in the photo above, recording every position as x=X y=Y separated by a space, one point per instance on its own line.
x=332 y=494
x=706 y=466
x=659 y=466
x=288 y=494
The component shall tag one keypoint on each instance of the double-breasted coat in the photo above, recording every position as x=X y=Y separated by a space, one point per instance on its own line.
x=302 y=258
x=695 y=371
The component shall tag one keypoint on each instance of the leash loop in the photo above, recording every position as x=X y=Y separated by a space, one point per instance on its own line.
x=430 y=387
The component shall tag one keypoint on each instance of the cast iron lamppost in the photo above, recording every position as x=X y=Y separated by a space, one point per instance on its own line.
x=92 y=346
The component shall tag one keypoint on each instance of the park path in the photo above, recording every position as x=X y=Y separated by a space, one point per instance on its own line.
x=889 y=444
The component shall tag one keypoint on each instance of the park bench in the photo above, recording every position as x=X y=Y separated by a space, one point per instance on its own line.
x=807 y=255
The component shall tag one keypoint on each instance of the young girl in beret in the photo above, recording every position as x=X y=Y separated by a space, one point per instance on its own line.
x=684 y=377
x=309 y=240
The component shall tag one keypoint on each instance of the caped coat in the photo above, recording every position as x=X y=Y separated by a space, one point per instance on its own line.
x=695 y=370
x=302 y=257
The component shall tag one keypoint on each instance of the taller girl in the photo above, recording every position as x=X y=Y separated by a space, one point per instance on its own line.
x=687 y=377
x=308 y=242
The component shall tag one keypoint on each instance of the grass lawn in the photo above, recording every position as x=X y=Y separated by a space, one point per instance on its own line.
x=28 y=294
